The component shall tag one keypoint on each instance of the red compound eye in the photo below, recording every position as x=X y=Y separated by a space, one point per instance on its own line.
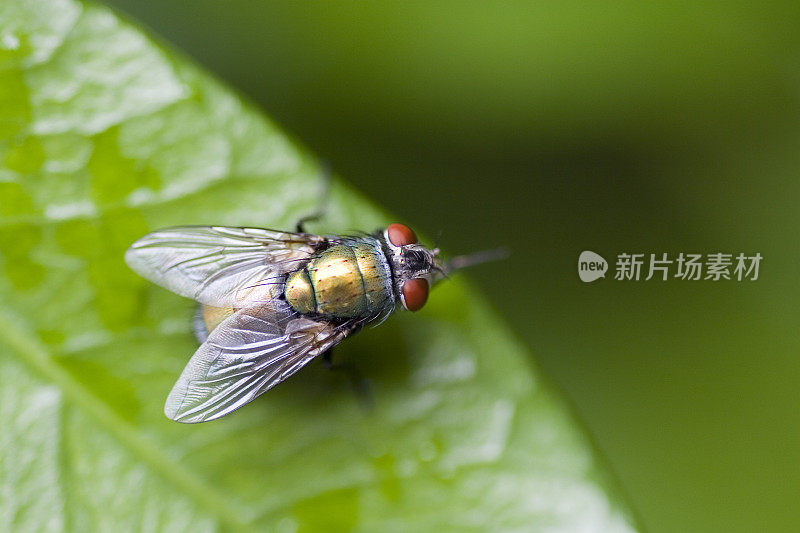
x=400 y=235
x=415 y=293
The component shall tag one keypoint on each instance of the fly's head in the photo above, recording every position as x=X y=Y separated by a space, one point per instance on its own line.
x=415 y=266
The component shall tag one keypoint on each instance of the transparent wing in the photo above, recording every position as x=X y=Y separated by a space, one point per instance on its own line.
x=247 y=354
x=220 y=266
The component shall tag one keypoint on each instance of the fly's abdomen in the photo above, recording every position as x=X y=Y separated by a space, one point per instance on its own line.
x=338 y=284
x=300 y=292
x=208 y=318
x=345 y=281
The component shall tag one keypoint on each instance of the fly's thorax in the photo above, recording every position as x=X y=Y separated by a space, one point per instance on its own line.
x=351 y=280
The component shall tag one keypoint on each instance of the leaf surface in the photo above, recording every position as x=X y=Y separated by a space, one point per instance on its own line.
x=105 y=136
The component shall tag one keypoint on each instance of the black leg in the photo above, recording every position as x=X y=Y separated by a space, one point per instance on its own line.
x=327 y=358
x=359 y=383
x=323 y=201
x=310 y=218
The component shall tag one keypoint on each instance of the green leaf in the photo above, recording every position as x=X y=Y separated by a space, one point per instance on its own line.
x=106 y=136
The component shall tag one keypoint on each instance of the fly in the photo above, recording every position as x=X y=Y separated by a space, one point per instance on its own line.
x=271 y=301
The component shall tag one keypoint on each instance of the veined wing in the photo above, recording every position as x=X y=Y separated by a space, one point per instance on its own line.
x=220 y=266
x=247 y=354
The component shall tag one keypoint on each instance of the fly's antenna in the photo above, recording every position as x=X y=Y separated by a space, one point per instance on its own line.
x=438 y=238
x=464 y=261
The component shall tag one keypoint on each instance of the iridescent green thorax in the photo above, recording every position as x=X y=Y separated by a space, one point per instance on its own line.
x=351 y=280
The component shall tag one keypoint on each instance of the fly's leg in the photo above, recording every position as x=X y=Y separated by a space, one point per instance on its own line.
x=300 y=227
x=327 y=358
x=323 y=203
x=359 y=383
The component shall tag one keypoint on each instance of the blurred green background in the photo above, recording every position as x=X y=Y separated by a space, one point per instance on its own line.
x=558 y=127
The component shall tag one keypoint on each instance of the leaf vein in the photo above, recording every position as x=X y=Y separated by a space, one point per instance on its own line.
x=31 y=352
